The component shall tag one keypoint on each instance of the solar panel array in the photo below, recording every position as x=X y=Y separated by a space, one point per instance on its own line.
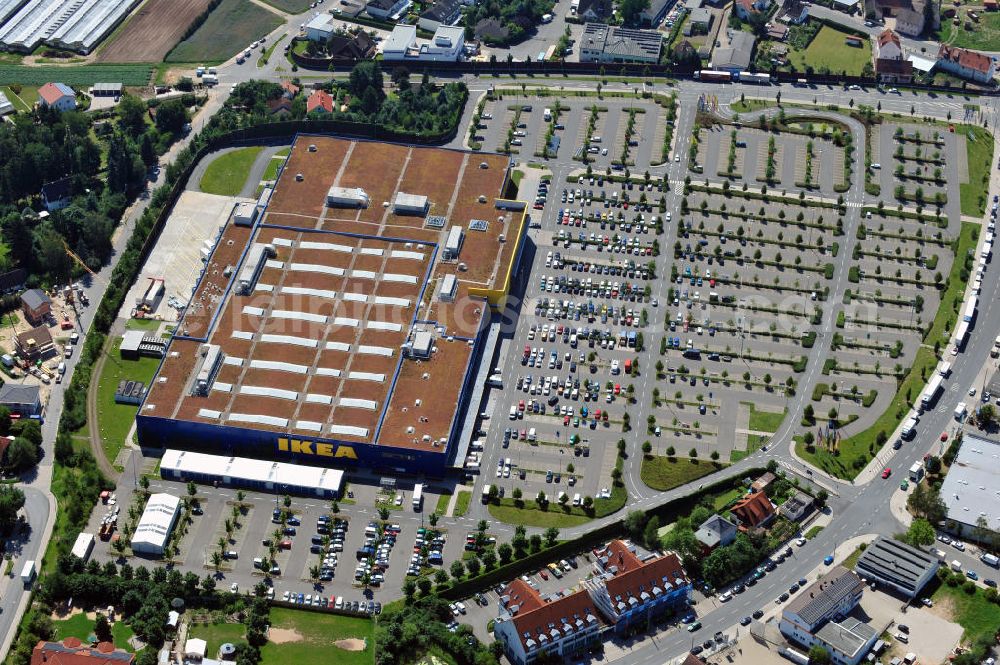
x=435 y=221
x=478 y=225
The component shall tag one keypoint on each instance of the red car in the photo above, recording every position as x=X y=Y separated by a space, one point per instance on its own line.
x=944 y=436
x=544 y=575
x=887 y=472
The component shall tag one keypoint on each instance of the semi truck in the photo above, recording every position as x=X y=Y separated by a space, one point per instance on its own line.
x=418 y=496
x=711 y=76
x=28 y=572
x=930 y=393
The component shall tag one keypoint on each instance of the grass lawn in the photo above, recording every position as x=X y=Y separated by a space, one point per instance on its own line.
x=271 y=172
x=115 y=420
x=985 y=36
x=978 y=616
x=142 y=324
x=442 y=504
x=748 y=105
x=764 y=421
x=81 y=627
x=724 y=499
x=227 y=173
x=851 y=560
x=754 y=442
x=855 y=452
x=555 y=515
x=813 y=532
x=319 y=633
x=828 y=49
x=217 y=634
x=979 y=153
x=23 y=101
x=290 y=6
x=230 y=28
x=462 y=503
x=951 y=299
x=665 y=473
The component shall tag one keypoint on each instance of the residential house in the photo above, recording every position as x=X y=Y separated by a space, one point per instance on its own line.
x=612 y=44
x=630 y=589
x=36 y=306
x=753 y=511
x=386 y=9
x=491 y=30
x=797 y=507
x=21 y=398
x=654 y=13
x=714 y=532
x=442 y=12
x=280 y=107
x=594 y=10
x=72 y=651
x=777 y=31
x=34 y=344
x=446 y=45
x=58 y=96
x=763 y=482
x=909 y=22
x=966 y=64
x=894 y=71
x=350 y=48
x=818 y=615
x=794 y=12
x=5 y=105
x=737 y=56
x=320 y=28
x=745 y=8
x=529 y=627
x=699 y=22
x=691 y=659
x=57 y=194
x=289 y=88
x=888 y=46
x=319 y=101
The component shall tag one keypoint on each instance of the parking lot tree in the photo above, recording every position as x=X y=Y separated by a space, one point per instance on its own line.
x=314 y=572
x=192 y=488
x=616 y=475
x=433 y=519
x=693 y=453
x=517 y=494
x=563 y=499
x=383 y=513
x=216 y=560
x=440 y=577
x=457 y=569
x=425 y=585
x=535 y=542
x=647 y=448
x=494 y=493
x=489 y=559
x=621 y=447
x=715 y=455
x=541 y=499
x=520 y=539
x=671 y=451
x=505 y=552
x=334 y=507
x=570 y=468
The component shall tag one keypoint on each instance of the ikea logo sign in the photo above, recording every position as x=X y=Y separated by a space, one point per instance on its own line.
x=318 y=448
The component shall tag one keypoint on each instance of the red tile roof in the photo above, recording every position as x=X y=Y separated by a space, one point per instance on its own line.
x=754 y=509
x=319 y=100
x=555 y=619
x=50 y=93
x=748 y=6
x=635 y=581
x=290 y=88
x=888 y=36
x=965 y=58
x=72 y=652
x=519 y=593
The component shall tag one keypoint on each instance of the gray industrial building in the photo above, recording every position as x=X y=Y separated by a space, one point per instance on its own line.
x=898 y=565
x=970 y=488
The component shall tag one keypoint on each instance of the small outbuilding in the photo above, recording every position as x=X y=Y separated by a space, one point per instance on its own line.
x=36 y=306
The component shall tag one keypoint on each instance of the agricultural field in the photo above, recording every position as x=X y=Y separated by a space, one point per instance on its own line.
x=828 y=49
x=80 y=76
x=152 y=31
x=290 y=6
x=230 y=28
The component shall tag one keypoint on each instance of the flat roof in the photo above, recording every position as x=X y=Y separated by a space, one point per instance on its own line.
x=970 y=490
x=246 y=469
x=897 y=563
x=849 y=636
x=315 y=347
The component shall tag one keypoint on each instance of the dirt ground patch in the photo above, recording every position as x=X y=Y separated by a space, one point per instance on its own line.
x=286 y=635
x=944 y=608
x=152 y=31
x=350 y=645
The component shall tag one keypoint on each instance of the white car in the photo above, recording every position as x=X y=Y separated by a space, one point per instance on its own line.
x=800 y=542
